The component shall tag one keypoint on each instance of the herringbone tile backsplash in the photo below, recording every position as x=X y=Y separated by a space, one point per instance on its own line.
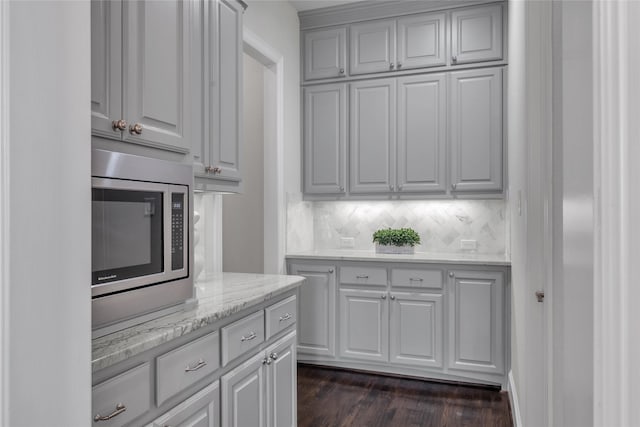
x=441 y=224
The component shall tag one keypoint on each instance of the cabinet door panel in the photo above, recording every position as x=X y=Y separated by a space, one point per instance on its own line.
x=416 y=329
x=372 y=142
x=373 y=47
x=156 y=73
x=316 y=310
x=476 y=321
x=421 y=41
x=325 y=53
x=422 y=133
x=364 y=325
x=200 y=410
x=282 y=395
x=476 y=34
x=476 y=130
x=325 y=132
x=106 y=73
x=243 y=399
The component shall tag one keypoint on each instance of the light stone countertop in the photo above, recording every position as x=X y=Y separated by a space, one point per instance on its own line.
x=218 y=297
x=418 y=257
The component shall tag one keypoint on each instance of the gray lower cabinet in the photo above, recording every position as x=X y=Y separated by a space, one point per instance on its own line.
x=364 y=324
x=140 y=67
x=200 y=410
x=243 y=399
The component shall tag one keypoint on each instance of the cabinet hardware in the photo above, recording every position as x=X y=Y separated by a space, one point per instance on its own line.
x=399 y=187
x=399 y=65
x=341 y=70
x=451 y=274
x=273 y=356
x=391 y=187
x=364 y=276
x=342 y=189
x=120 y=408
x=119 y=125
x=135 y=129
x=384 y=296
x=249 y=337
x=286 y=316
x=201 y=363
x=454 y=59
x=393 y=297
x=213 y=169
x=266 y=361
x=414 y=279
x=540 y=296
x=392 y=66
x=331 y=271
x=453 y=186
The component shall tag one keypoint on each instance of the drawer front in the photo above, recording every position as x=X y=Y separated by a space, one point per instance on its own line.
x=402 y=277
x=280 y=316
x=121 y=399
x=363 y=276
x=242 y=336
x=184 y=366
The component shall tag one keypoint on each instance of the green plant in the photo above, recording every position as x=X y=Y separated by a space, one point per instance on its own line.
x=397 y=237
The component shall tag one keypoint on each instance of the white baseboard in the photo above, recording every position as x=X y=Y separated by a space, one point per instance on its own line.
x=513 y=398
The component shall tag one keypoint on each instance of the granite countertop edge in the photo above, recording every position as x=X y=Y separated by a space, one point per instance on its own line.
x=418 y=257
x=218 y=297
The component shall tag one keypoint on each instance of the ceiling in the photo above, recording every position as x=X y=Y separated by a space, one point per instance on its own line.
x=301 y=5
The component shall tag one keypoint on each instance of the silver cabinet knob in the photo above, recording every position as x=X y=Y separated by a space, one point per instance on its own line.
x=392 y=66
x=391 y=187
x=399 y=187
x=383 y=296
x=341 y=189
x=393 y=297
x=135 y=129
x=266 y=361
x=273 y=356
x=453 y=186
x=454 y=59
x=331 y=271
x=120 y=125
x=451 y=274
x=399 y=65
x=341 y=71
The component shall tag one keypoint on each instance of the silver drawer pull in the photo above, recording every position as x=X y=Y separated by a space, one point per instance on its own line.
x=362 y=277
x=120 y=408
x=249 y=337
x=286 y=316
x=199 y=365
x=413 y=279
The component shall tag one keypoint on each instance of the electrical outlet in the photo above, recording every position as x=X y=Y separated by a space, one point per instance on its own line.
x=468 y=245
x=347 y=242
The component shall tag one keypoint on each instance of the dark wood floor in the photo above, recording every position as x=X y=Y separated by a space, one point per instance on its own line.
x=329 y=397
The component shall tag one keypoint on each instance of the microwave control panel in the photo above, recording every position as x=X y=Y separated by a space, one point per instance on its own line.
x=177 y=231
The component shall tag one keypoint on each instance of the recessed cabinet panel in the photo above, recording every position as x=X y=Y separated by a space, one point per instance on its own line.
x=316 y=309
x=156 y=73
x=325 y=130
x=243 y=397
x=200 y=410
x=282 y=385
x=373 y=46
x=421 y=41
x=364 y=329
x=476 y=130
x=416 y=329
x=476 y=34
x=422 y=133
x=325 y=53
x=372 y=142
x=476 y=321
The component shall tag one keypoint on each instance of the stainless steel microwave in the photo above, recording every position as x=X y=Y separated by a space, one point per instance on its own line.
x=141 y=229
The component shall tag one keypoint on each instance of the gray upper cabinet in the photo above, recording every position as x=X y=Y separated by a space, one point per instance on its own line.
x=476 y=34
x=372 y=137
x=421 y=41
x=422 y=121
x=140 y=72
x=373 y=47
x=325 y=129
x=476 y=130
x=325 y=53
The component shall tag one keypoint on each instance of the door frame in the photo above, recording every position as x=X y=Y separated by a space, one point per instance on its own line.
x=274 y=195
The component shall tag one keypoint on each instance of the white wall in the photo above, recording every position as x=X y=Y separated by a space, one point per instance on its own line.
x=49 y=350
x=243 y=214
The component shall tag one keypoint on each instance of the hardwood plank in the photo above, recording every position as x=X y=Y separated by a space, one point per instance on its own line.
x=332 y=397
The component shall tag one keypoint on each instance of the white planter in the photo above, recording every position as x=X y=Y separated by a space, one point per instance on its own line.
x=391 y=249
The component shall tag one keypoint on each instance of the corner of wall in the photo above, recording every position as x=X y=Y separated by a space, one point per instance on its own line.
x=513 y=399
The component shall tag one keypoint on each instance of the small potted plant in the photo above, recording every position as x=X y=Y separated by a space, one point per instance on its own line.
x=396 y=241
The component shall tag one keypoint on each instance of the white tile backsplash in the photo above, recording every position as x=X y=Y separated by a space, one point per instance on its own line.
x=441 y=224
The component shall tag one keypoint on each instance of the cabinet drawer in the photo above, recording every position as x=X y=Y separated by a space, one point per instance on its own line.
x=401 y=277
x=280 y=316
x=184 y=366
x=122 y=398
x=363 y=276
x=242 y=336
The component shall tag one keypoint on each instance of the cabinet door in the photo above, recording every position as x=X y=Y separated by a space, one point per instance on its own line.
x=364 y=325
x=325 y=132
x=226 y=101
x=243 y=397
x=476 y=130
x=200 y=410
x=282 y=384
x=422 y=122
x=476 y=34
x=156 y=84
x=325 y=53
x=372 y=142
x=476 y=321
x=316 y=309
x=421 y=41
x=373 y=47
x=106 y=74
x=416 y=329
